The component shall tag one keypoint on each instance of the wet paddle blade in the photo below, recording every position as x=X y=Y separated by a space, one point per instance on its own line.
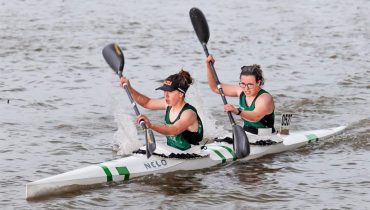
x=113 y=55
x=150 y=143
x=200 y=25
x=241 y=143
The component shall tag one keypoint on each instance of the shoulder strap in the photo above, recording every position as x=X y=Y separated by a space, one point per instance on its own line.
x=260 y=92
x=186 y=107
x=167 y=116
x=242 y=102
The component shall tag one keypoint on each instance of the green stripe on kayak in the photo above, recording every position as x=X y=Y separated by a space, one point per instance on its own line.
x=220 y=155
x=123 y=171
x=311 y=138
x=107 y=172
x=231 y=152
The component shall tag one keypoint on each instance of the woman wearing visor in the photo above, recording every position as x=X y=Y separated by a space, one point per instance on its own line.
x=182 y=124
x=256 y=105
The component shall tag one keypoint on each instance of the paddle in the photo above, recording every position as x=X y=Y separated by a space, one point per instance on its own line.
x=113 y=55
x=241 y=143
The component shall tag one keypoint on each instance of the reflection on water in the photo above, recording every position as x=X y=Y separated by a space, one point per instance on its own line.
x=177 y=183
x=254 y=173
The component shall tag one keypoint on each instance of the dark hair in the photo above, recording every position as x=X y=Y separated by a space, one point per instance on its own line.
x=254 y=70
x=185 y=78
x=181 y=81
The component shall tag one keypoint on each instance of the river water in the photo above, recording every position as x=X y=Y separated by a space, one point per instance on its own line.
x=61 y=107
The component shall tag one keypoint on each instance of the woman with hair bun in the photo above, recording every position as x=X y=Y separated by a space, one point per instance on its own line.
x=182 y=124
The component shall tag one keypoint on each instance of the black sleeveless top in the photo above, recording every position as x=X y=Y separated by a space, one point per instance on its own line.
x=266 y=122
x=183 y=140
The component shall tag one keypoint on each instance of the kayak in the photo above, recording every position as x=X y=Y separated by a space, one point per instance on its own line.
x=168 y=159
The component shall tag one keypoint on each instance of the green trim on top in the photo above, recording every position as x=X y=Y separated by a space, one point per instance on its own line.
x=107 y=172
x=220 y=155
x=231 y=152
x=123 y=171
x=311 y=138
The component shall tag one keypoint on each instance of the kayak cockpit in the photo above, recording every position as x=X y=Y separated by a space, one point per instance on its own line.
x=163 y=150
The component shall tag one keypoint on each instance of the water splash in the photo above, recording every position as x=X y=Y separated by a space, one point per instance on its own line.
x=125 y=139
x=211 y=130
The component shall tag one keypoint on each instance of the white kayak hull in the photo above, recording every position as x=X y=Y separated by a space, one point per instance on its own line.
x=138 y=165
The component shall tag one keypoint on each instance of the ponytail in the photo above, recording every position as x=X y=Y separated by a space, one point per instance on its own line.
x=185 y=77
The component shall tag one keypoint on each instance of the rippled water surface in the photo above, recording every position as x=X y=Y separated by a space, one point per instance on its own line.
x=61 y=106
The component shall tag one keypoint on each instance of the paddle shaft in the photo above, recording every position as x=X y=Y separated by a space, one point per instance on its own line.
x=241 y=143
x=213 y=70
x=133 y=102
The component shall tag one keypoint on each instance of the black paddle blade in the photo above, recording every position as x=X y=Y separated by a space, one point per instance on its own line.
x=150 y=143
x=200 y=25
x=241 y=143
x=113 y=55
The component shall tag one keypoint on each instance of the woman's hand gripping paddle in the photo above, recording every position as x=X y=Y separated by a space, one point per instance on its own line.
x=241 y=143
x=113 y=55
